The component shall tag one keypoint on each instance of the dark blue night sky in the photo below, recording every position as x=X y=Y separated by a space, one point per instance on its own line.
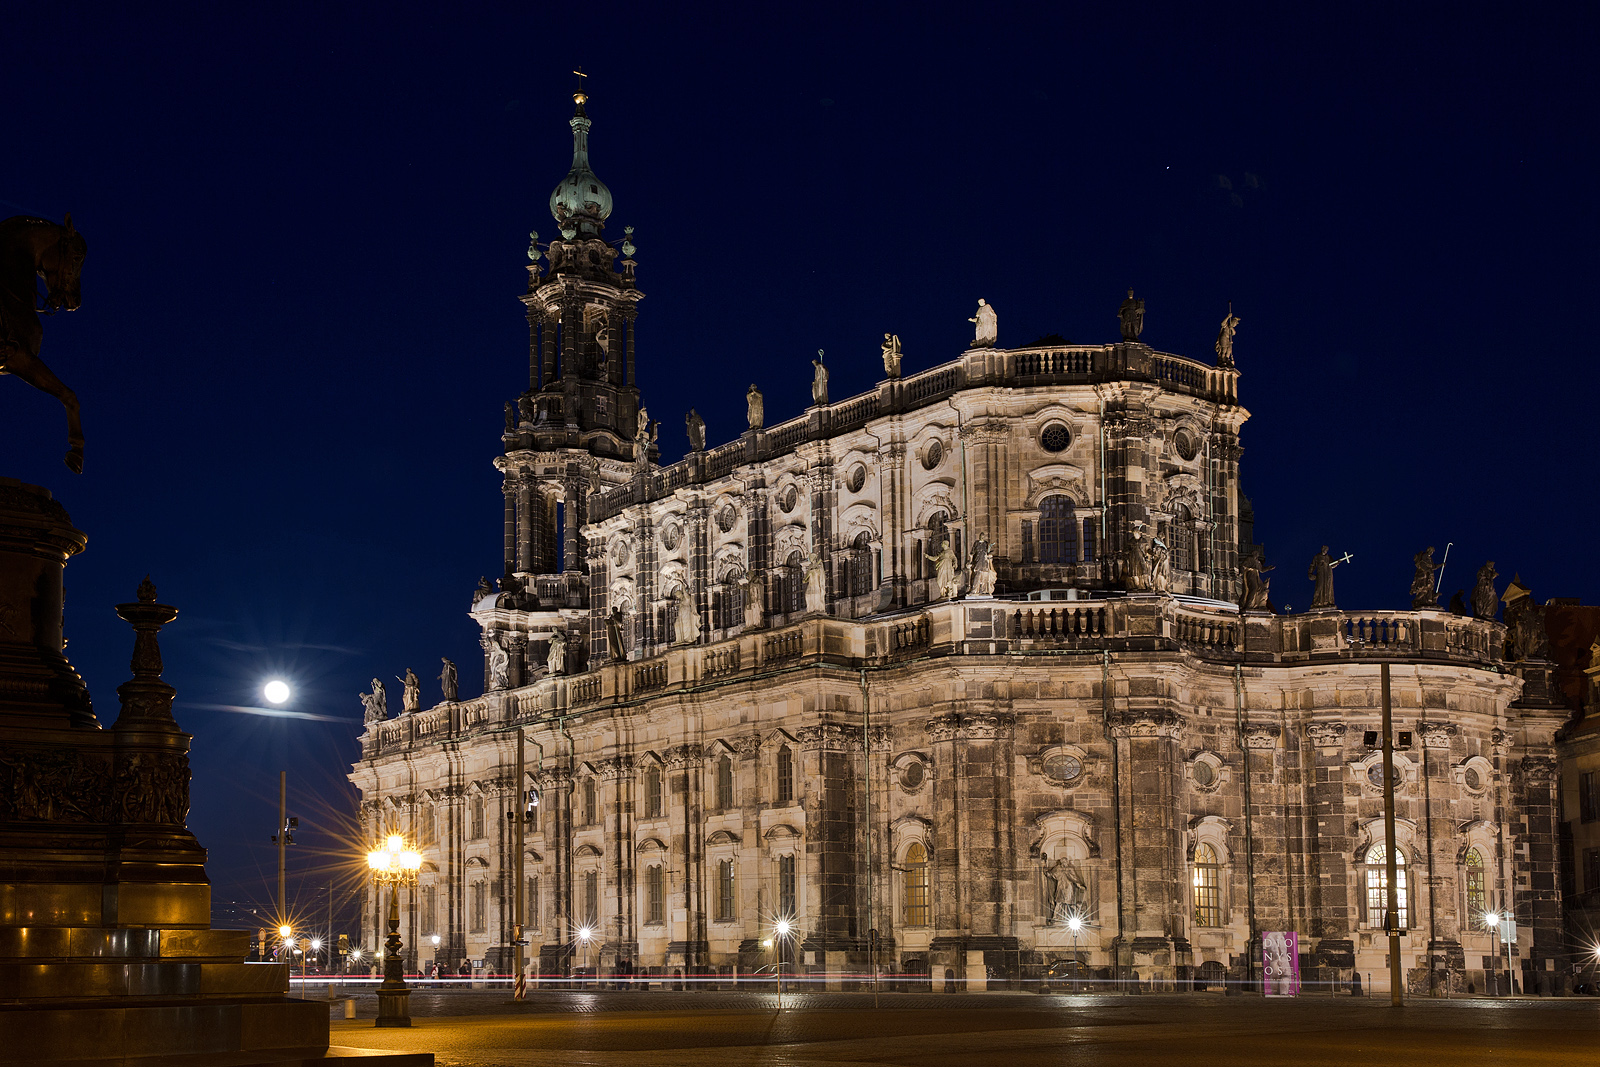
x=307 y=226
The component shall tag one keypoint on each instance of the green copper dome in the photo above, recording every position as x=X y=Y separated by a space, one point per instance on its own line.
x=581 y=203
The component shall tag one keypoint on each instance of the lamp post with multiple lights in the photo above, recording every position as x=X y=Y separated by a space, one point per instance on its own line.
x=394 y=865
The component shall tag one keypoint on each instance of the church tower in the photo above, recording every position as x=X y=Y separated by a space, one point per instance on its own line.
x=575 y=431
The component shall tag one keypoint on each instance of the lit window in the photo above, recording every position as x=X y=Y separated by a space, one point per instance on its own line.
x=1207 y=887
x=916 y=885
x=1378 y=886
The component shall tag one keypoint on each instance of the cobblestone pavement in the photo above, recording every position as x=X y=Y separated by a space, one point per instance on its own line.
x=482 y=1028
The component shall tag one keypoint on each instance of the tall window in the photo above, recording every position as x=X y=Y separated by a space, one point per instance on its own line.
x=937 y=534
x=591 y=897
x=652 y=792
x=785 y=775
x=1058 y=531
x=860 y=565
x=1088 y=540
x=1182 y=539
x=794 y=583
x=477 y=818
x=1207 y=890
x=590 y=797
x=655 y=896
x=530 y=903
x=916 y=882
x=430 y=908
x=1477 y=899
x=1378 y=885
x=787 y=899
x=480 y=907
x=725 y=904
x=1588 y=797
x=1591 y=869
x=724 y=783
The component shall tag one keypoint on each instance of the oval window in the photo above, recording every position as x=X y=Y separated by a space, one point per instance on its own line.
x=1063 y=768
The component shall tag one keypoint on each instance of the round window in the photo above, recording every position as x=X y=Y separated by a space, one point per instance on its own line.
x=1063 y=768
x=856 y=478
x=619 y=553
x=933 y=455
x=1473 y=779
x=727 y=517
x=671 y=535
x=911 y=775
x=1375 y=775
x=1187 y=444
x=1055 y=438
x=1204 y=774
x=790 y=497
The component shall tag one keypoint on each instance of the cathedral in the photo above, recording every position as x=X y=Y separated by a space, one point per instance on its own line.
x=967 y=680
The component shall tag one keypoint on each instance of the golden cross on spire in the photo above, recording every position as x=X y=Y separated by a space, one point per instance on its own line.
x=580 y=96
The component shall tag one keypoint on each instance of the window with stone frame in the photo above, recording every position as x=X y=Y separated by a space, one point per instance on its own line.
x=1206 y=891
x=727 y=905
x=788 y=899
x=591 y=805
x=1591 y=870
x=1377 y=886
x=1058 y=531
x=530 y=904
x=1089 y=533
x=785 y=775
x=937 y=531
x=1588 y=796
x=655 y=895
x=859 y=566
x=652 y=792
x=430 y=908
x=591 y=898
x=724 y=782
x=728 y=603
x=1182 y=539
x=916 y=907
x=478 y=911
x=1477 y=890
x=476 y=810
x=794 y=583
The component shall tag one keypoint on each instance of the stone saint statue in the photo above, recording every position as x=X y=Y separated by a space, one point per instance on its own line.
x=376 y=702
x=614 y=642
x=525 y=409
x=697 y=430
x=556 y=657
x=1526 y=637
x=1066 y=889
x=986 y=326
x=1321 y=572
x=1131 y=316
x=1160 y=565
x=947 y=571
x=755 y=408
x=499 y=665
x=819 y=381
x=511 y=416
x=1256 y=587
x=411 y=695
x=1135 y=562
x=1230 y=326
x=642 y=438
x=755 y=601
x=688 y=619
x=447 y=680
x=1485 y=600
x=484 y=589
x=1422 y=592
x=816 y=583
x=891 y=355
x=982 y=569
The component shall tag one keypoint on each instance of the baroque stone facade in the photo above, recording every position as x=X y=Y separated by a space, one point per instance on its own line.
x=766 y=704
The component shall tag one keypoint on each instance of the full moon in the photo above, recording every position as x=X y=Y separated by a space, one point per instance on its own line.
x=276 y=692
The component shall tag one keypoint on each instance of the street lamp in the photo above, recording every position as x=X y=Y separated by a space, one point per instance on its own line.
x=394 y=865
x=781 y=931
x=585 y=934
x=1075 y=924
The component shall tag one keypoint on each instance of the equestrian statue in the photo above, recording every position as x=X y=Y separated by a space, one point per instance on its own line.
x=30 y=248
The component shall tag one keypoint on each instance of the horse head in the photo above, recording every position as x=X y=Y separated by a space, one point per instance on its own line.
x=60 y=265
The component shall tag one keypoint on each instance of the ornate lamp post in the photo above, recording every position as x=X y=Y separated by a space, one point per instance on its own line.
x=394 y=865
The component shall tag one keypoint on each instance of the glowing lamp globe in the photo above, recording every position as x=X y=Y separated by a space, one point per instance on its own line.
x=1075 y=924
x=284 y=931
x=276 y=691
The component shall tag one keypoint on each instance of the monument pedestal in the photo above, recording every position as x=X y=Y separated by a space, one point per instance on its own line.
x=106 y=950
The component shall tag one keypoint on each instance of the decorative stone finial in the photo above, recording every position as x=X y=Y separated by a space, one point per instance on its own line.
x=146 y=591
x=533 y=245
x=146 y=699
x=628 y=248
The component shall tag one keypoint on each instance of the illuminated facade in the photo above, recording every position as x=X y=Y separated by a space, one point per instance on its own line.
x=801 y=722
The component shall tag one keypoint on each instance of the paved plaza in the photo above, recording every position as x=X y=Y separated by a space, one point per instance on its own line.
x=481 y=1028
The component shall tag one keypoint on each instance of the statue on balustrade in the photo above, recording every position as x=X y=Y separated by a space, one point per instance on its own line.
x=986 y=326
x=697 y=430
x=946 y=571
x=688 y=619
x=1131 y=317
x=499 y=665
x=642 y=439
x=1230 y=326
x=754 y=587
x=816 y=583
x=556 y=658
x=411 y=695
x=1135 y=561
x=1321 y=572
x=982 y=570
x=1458 y=604
x=376 y=703
x=447 y=680
x=32 y=248
x=819 y=381
x=511 y=589
x=1485 y=600
x=1423 y=595
x=615 y=622
x=1257 y=589
x=1159 y=565
x=755 y=409
x=891 y=354
x=1526 y=637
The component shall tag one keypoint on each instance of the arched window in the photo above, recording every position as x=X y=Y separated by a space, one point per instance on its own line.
x=937 y=532
x=726 y=910
x=860 y=565
x=1477 y=897
x=1378 y=886
x=785 y=775
x=477 y=918
x=916 y=885
x=591 y=898
x=1058 y=531
x=794 y=583
x=1207 y=889
x=786 y=888
x=590 y=805
x=654 y=896
x=652 y=792
x=477 y=817
x=1182 y=539
x=724 y=782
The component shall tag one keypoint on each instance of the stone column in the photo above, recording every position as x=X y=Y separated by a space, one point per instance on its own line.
x=686 y=807
x=833 y=859
x=1333 y=913
x=555 y=788
x=508 y=487
x=622 y=933
x=1153 y=860
x=1538 y=900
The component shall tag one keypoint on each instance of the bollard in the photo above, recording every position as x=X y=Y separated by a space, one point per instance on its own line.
x=349 y=1007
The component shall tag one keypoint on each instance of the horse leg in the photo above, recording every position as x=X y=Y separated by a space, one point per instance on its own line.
x=31 y=369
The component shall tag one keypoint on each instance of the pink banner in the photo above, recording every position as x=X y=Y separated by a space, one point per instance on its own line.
x=1280 y=964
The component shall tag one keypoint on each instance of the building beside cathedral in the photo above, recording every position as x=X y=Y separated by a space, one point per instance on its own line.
x=930 y=670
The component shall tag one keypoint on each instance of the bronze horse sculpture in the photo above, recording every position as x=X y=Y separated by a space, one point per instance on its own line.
x=31 y=248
